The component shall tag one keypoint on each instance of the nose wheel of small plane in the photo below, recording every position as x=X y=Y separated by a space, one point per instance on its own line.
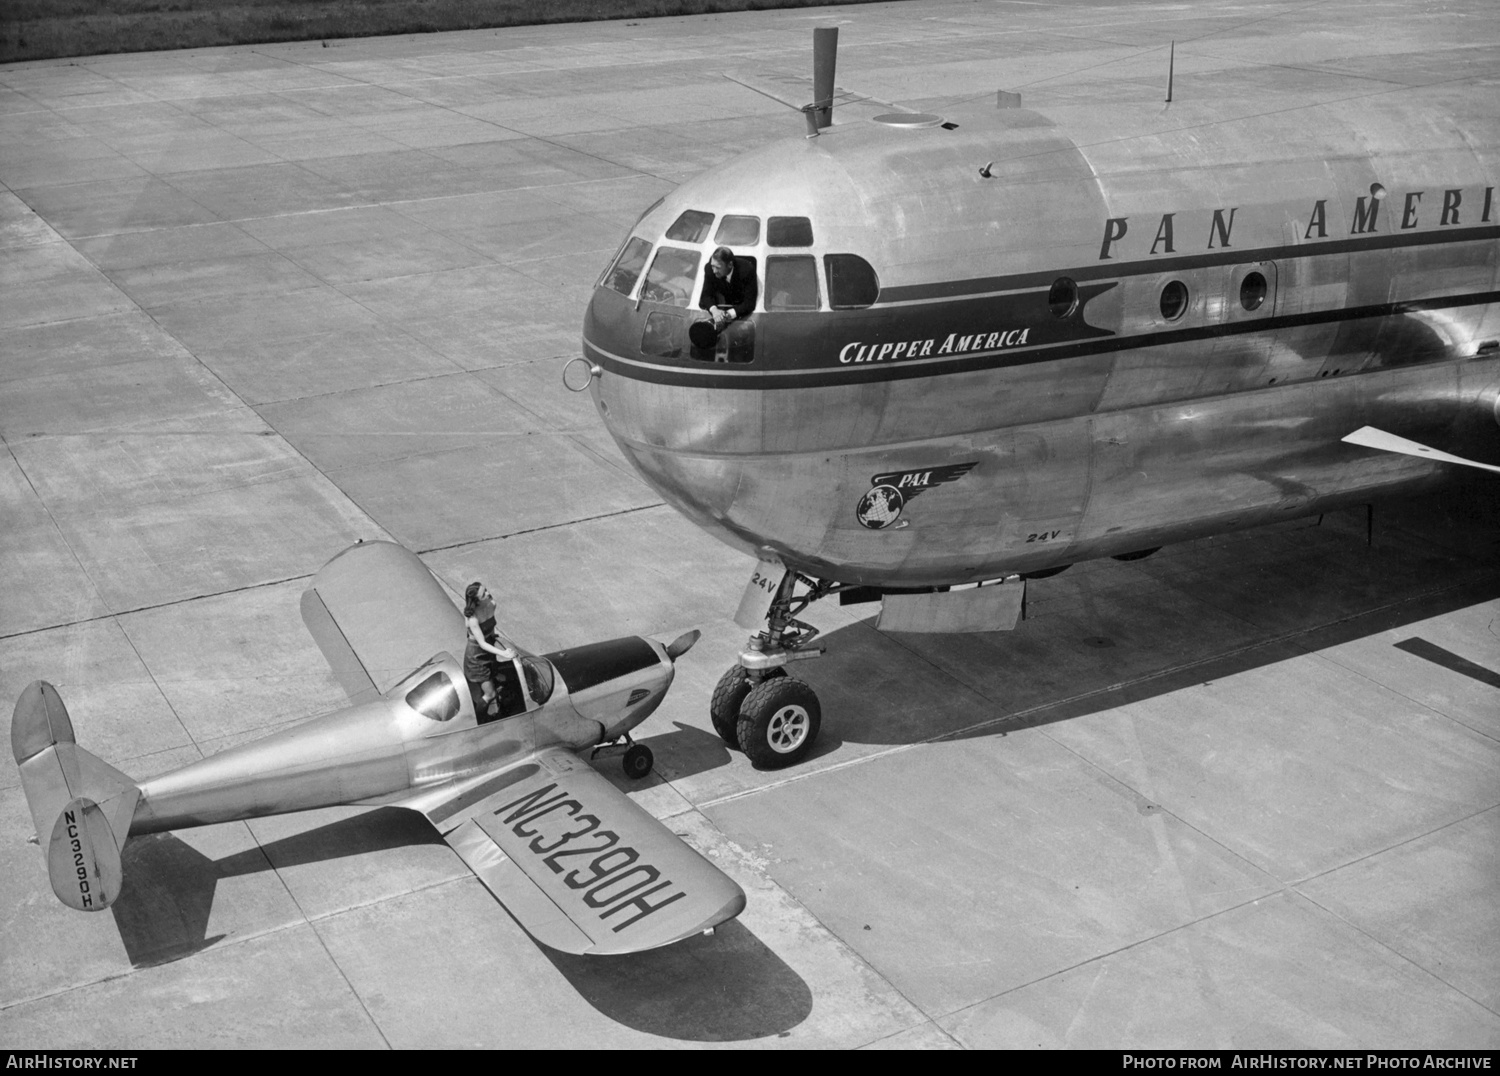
x=638 y=761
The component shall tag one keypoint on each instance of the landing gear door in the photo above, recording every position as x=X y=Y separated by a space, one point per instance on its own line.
x=760 y=591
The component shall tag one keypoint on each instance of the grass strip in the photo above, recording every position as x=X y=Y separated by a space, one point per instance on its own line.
x=48 y=29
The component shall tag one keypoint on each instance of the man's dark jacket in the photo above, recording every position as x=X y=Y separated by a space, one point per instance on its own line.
x=738 y=290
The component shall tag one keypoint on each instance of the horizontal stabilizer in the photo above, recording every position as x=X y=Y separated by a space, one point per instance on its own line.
x=583 y=868
x=1370 y=437
x=40 y=720
x=81 y=806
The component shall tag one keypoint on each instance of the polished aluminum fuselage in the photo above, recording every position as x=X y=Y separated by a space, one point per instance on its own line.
x=385 y=751
x=1111 y=428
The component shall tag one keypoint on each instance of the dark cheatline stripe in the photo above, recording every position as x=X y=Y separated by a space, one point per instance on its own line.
x=746 y=378
x=585 y=666
x=950 y=289
x=1449 y=660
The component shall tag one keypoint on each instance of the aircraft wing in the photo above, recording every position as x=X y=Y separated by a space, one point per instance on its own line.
x=576 y=862
x=1370 y=437
x=377 y=613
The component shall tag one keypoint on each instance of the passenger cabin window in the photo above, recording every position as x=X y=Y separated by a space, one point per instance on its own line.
x=673 y=276
x=738 y=231
x=434 y=698
x=792 y=282
x=1062 y=297
x=622 y=276
x=852 y=282
x=1252 y=291
x=1174 y=300
x=789 y=232
x=691 y=227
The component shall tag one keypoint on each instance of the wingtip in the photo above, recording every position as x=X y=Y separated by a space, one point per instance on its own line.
x=729 y=910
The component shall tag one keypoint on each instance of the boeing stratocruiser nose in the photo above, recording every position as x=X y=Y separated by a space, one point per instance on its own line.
x=854 y=360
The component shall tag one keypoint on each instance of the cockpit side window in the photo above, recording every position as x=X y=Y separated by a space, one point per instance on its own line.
x=673 y=276
x=434 y=698
x=627 y=268
x=791 y=282
x=789 y=232
x=737 y=231
x=852 y=282
x=691 y=227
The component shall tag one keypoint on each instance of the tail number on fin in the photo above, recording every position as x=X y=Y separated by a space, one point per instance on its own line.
x=75 y=845
x=83 y=861
x=616 y=879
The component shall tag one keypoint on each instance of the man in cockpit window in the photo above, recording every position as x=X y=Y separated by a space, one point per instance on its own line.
x=729 y=287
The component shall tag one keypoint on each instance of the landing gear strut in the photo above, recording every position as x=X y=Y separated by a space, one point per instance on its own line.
x=769 y=715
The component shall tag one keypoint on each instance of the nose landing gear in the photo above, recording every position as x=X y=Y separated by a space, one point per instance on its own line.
x=773 y=717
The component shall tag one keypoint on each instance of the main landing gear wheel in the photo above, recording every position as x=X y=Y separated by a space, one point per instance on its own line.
x=638 y=761
x=729 y=694
x=779 y=722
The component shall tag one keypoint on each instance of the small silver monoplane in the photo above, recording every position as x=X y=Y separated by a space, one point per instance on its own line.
x=579 y=865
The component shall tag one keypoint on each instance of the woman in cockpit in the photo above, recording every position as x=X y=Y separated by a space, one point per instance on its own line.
x=482 y=655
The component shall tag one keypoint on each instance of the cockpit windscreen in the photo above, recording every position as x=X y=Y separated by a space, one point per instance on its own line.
x=673 y=275
x=627 y=268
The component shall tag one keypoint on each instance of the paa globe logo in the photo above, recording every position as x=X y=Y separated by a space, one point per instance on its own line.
x=881 y=506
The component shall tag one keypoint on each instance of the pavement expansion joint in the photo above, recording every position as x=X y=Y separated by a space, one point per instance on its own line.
x=536 y=530
x=147 y=965
x=158 y=605
x=1375 y=939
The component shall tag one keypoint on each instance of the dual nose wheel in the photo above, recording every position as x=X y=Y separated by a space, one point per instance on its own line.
x=775 y=722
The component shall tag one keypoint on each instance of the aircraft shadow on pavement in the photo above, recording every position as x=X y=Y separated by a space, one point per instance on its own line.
x=690 y=751
x=1108 y=628
x=164 y=907
x=724 y=987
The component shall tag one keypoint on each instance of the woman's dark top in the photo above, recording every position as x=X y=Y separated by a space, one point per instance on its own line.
x=479 y=663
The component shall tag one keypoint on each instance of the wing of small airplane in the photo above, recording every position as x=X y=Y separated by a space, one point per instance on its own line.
x=1370 y=437
x=377 y=613
x=578 y=864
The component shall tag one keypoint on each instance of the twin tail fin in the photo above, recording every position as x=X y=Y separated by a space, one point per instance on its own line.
x=81 y=806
